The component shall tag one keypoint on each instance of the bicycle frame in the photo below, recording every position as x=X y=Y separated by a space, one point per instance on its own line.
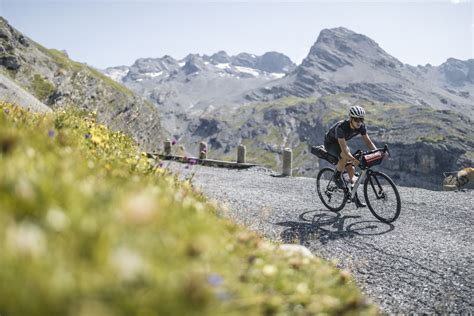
x=377 y=186
x=353 y=188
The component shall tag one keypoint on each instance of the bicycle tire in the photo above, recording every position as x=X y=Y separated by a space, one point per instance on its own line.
x=326 y=192
x=387 y=193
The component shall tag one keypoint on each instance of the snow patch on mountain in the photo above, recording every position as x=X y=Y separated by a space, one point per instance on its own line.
x=154 y=74
x=223 y=66
x=277 y=75
x=248 y=70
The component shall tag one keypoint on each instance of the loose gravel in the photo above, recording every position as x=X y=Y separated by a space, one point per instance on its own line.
x=422 y=263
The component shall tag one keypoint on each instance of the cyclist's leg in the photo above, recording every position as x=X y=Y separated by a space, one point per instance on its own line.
x=341 y=164
x=351 y=172
x=349 y=168
x=335 y=150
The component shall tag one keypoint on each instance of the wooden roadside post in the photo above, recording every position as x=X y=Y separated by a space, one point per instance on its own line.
x=202 y=150
x=241 y=154
x=167 y=147
x=287 y=162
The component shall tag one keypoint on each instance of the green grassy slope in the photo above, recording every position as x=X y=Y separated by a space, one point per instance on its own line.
x=60 y=82
x=92 y=227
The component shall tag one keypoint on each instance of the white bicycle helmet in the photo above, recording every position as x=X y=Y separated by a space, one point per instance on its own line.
x=357 y=111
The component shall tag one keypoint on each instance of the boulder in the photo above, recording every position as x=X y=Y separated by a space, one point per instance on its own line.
x=458 y=180
x=10 y=62
x=296 y=250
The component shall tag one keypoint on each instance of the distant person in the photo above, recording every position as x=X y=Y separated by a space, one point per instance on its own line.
x=336 y=139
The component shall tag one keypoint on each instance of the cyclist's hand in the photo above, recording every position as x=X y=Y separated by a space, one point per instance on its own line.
x=355 y=162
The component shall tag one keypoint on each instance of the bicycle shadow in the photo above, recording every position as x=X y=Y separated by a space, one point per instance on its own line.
x=328 y=226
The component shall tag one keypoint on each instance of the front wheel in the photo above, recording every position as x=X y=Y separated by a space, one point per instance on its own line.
x=382 y=197
x=332 y=197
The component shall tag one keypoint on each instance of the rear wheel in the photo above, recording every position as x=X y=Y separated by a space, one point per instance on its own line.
x=382 y=197
x=332 y=197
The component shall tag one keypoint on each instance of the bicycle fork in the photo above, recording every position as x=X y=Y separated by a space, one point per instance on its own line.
x=379 y=193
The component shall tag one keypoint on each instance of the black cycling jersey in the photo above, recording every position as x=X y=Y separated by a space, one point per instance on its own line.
x=342 y=129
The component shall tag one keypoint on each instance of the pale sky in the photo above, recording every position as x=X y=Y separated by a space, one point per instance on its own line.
x=105 y=33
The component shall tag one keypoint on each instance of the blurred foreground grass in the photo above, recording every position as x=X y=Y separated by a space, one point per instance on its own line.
x=91 y=227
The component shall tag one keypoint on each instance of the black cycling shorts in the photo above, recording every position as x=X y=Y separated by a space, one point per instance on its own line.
x=333 y=148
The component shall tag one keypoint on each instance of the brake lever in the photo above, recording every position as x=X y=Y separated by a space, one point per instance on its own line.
x=358 y=154
x=387 y=151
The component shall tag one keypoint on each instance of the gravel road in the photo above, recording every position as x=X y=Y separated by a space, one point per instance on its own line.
x=421 y=263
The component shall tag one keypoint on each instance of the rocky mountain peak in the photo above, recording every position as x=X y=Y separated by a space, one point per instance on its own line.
x=245 y=60
x=458 y=72
x=117 y=73
x=168 y=59
x=275 y=62
x=269 y=66
x=155 y=64
x=342 y=61
x=220 y=57
x=150 y=67
x=193 y=64
x=339 y=47
x=146 y=63
x=337 y=36
x=191 y=56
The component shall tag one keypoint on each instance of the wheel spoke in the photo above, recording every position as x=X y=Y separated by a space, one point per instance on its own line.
x=331 y=196
x=382 y=197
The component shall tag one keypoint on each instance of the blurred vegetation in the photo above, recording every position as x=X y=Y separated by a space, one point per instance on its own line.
x=91 y=226
x=41 y=87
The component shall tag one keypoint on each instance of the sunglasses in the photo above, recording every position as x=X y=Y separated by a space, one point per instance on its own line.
x=358 y=120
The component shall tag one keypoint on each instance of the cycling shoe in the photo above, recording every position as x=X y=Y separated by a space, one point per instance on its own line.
x=358 y=202
x=340 y=183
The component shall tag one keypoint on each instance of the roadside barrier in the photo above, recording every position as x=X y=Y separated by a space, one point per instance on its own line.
x=202 y=158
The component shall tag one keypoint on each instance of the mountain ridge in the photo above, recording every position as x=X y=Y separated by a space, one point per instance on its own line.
x=342 y=61
x=59 y=82
x=424 y=113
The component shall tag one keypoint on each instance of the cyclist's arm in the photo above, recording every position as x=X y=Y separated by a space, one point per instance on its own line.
x=368 y=142
x=345 y=150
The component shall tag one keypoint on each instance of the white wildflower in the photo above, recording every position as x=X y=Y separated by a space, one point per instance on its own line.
x=57 y=220
x=269 y=270
x=199 y=207
x=26 y=239
x=302 y=288
x=24 y=189
x=141 y=208
x=30 y=152
x=128 y=263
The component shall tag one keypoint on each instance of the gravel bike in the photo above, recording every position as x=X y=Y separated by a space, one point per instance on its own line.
x=380 y=192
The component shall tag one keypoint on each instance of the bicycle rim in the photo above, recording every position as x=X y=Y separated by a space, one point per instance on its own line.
x=331 y=196
x=382 y=197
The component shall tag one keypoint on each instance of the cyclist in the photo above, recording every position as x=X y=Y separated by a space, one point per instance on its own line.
x=336 y=139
